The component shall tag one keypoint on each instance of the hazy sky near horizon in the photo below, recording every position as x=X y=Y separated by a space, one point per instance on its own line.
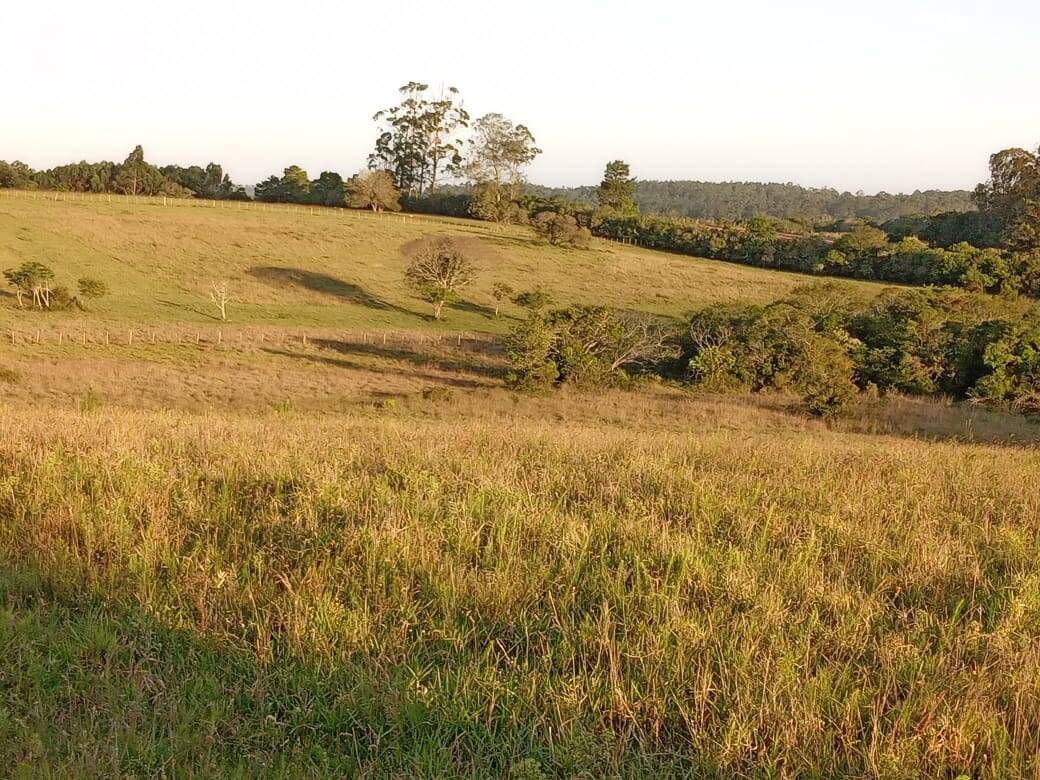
x=885 y=95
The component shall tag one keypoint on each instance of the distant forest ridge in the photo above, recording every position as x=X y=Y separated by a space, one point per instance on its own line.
x=743 y=200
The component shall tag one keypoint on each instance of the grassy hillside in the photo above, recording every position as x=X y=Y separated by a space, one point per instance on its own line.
x=330 y=267
x=618 y=585
x=323 y=539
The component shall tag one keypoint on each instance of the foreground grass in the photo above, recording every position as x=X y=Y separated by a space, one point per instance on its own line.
x=676 y=587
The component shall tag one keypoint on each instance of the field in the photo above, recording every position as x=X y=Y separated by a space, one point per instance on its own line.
x=333 y=267
x=357 y=554
x=319 y=318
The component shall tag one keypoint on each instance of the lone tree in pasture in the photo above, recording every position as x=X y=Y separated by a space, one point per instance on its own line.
x=501 y=292
x=31 y=278
x=440 y=269
x=220 y=296
x=91 y=289
x=615 y=192
x=373 y=190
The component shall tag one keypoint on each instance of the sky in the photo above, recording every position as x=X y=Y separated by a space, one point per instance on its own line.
x=870 y=96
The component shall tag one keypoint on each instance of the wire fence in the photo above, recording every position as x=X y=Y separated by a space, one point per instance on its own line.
x=238 y=338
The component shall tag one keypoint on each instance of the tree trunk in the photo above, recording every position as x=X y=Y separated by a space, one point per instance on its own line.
x=437 y=309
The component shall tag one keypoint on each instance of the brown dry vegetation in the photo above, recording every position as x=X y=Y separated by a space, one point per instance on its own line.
x=621 y=584
x=282 y=557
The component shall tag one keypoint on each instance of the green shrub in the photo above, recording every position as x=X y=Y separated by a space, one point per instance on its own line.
x=825 y=378
x=583 y=345
x=561 y=230
x=528 y=349
x=777 y=347
x=91 y=289
x=534 y=300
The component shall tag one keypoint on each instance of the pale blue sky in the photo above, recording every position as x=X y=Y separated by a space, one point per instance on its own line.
x=867 y=95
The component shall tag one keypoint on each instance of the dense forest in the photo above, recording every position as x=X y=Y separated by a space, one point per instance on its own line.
x=743 y=200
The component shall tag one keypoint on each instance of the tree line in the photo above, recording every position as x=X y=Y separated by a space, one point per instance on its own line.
x=134 y=176
x=823 y=342
x=743 y=200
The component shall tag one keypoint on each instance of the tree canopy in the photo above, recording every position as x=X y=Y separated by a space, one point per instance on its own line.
x=616 y=191
x=373 y=190
x=420 y=139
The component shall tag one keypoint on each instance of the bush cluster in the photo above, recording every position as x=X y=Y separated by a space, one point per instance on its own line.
x=828 y=347
x=821 y=342
x=583 y=345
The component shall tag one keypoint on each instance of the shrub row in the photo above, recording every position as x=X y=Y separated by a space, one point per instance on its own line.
x=820 y=342
x=863 y=253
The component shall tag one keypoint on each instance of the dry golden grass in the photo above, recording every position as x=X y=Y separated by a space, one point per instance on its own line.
x=332 y=268
x=617 y=584
x=278 y=557
x=329 y=370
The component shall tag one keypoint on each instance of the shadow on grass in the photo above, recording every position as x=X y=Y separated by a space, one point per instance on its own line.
x=282 y=277
x=186 y=307
x=473 y=308
x=424 y=359
x=95 y=686
x=921 y=419
x=410 y=373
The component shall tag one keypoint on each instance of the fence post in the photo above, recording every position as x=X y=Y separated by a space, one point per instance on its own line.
x=130 y=339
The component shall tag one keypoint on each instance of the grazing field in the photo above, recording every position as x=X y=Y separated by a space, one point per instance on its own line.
x=577 y=586
x=332 y=268
x=323 y=540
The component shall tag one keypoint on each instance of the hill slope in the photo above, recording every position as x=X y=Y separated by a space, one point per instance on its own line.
x=363 y=557
x=330 y=267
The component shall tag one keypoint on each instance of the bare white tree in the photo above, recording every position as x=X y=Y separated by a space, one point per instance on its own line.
x=220 y=296
x=641 y=340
